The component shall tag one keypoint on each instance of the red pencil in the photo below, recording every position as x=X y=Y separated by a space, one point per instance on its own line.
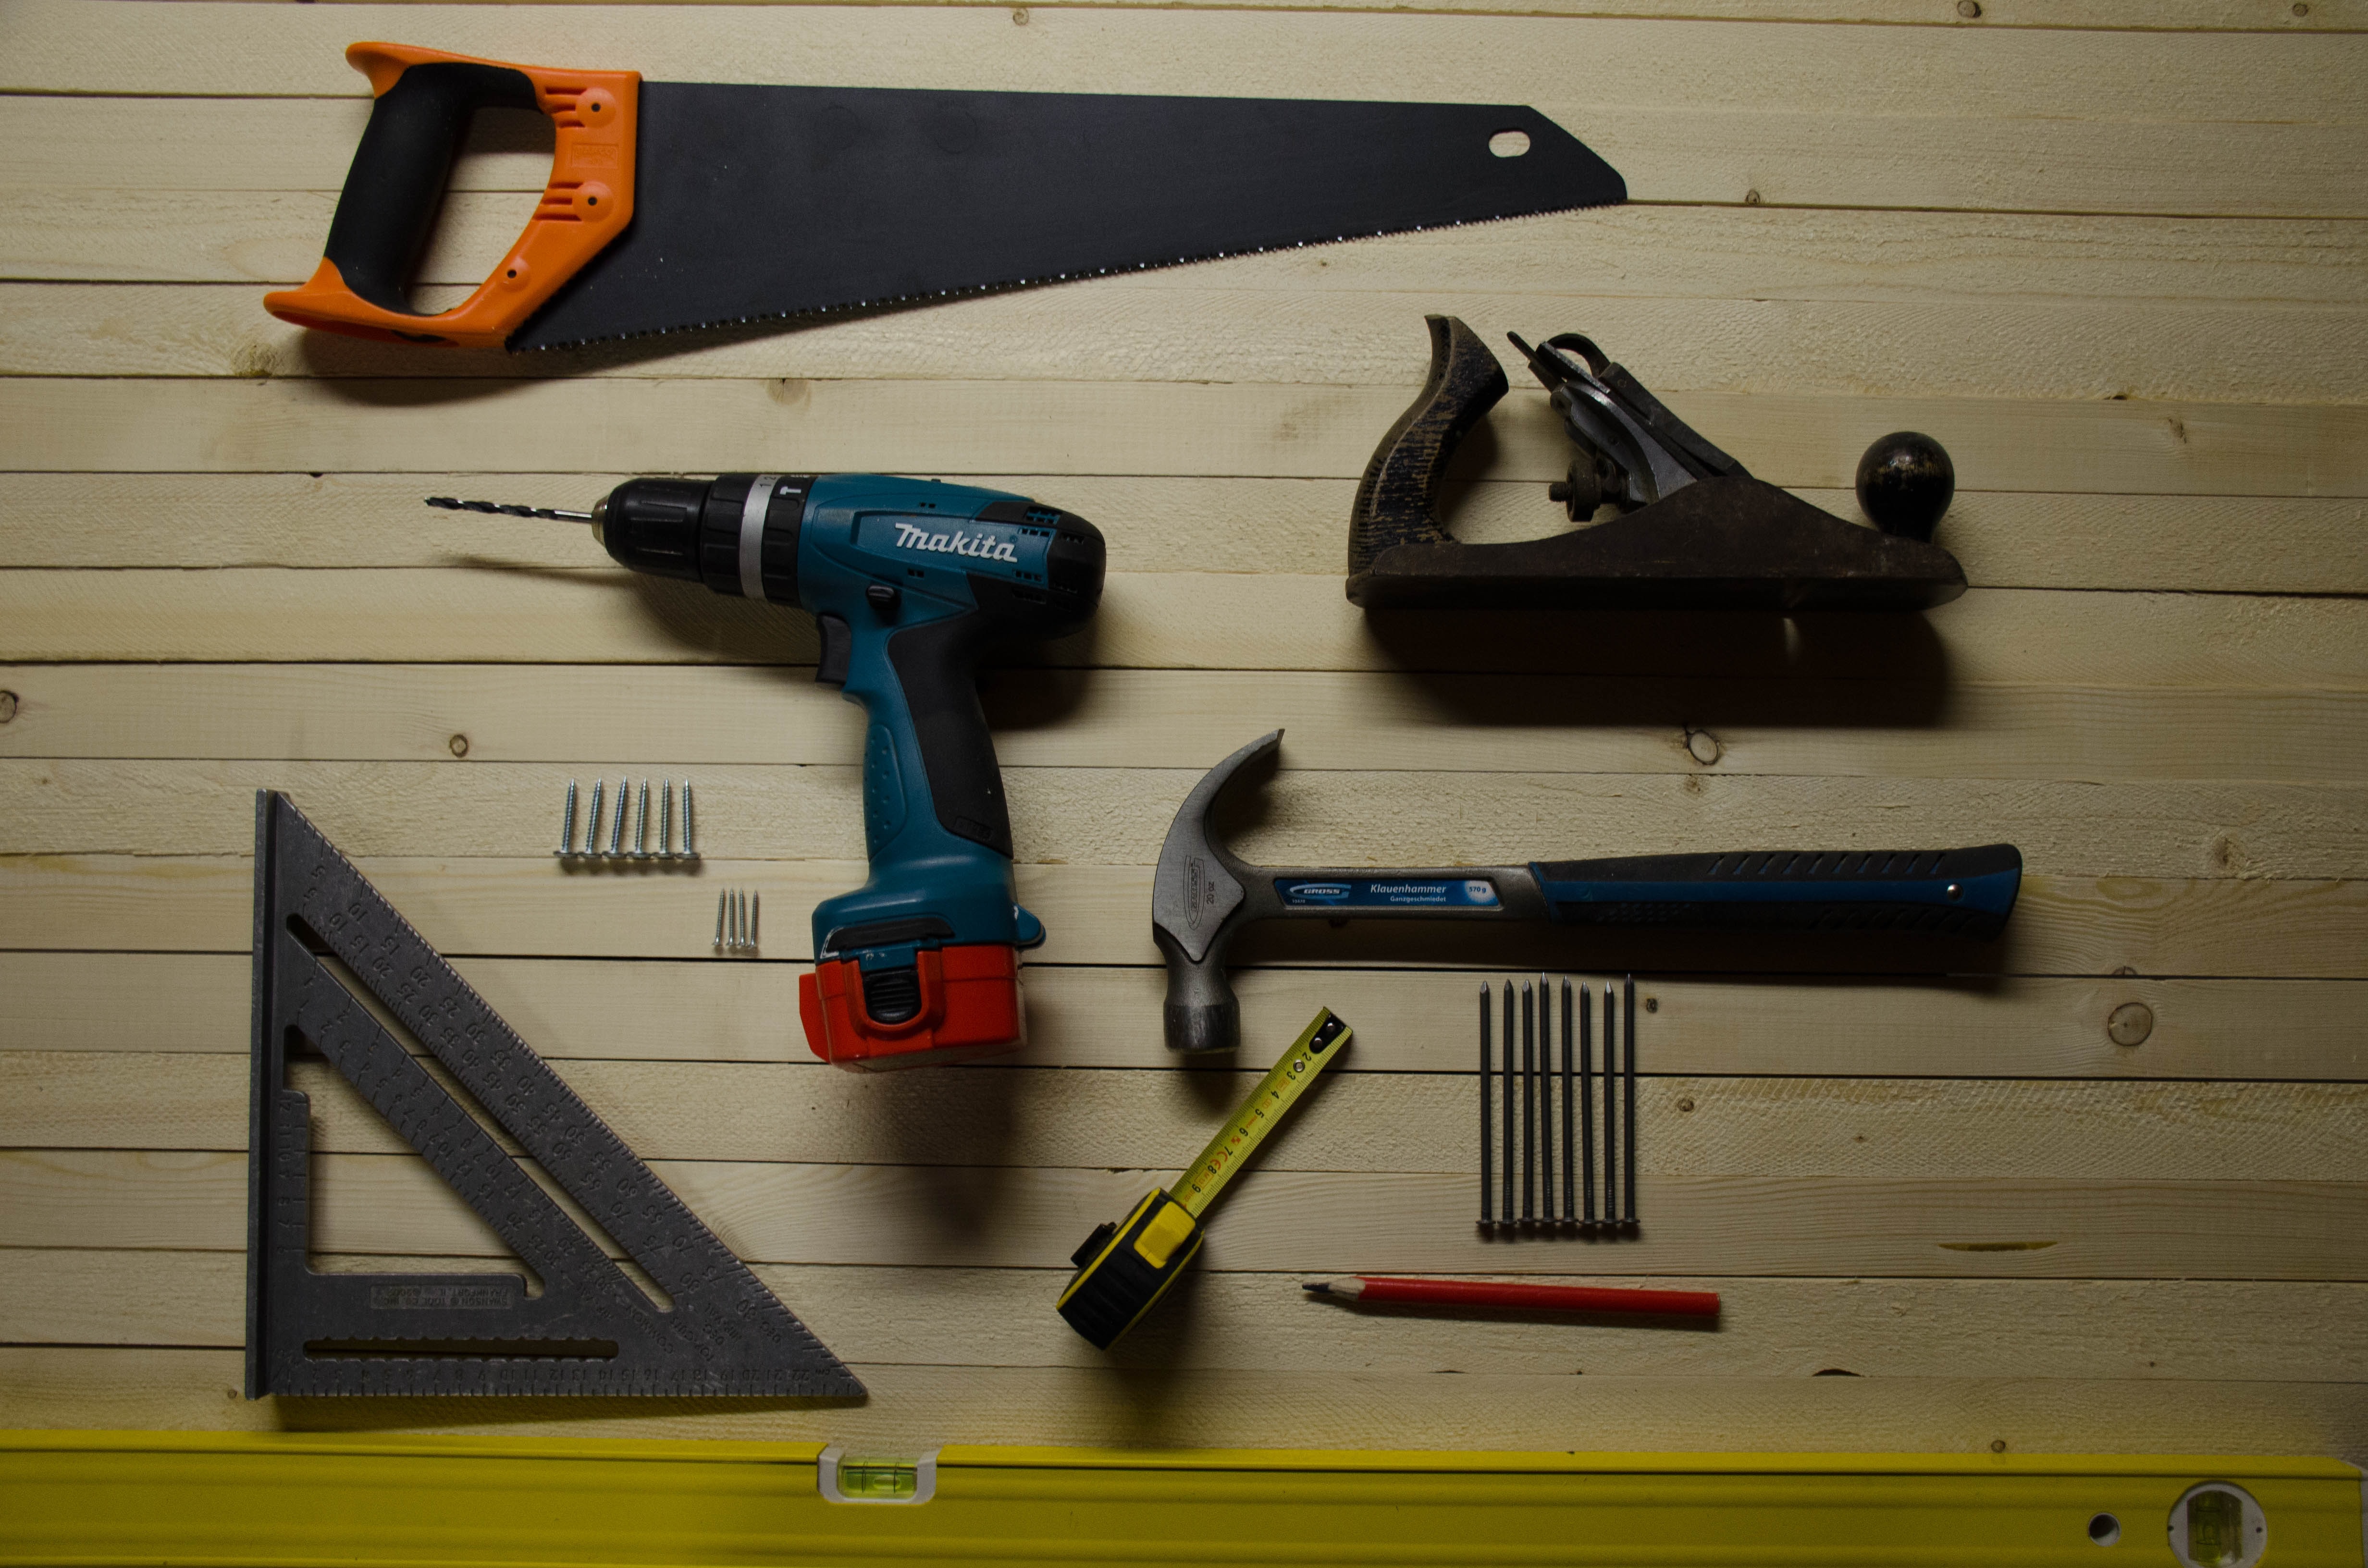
x=1533 y=1297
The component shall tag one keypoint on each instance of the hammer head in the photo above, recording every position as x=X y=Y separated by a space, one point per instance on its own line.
x=1198 y=897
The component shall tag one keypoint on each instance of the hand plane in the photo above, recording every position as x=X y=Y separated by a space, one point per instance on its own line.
x=1695 y=529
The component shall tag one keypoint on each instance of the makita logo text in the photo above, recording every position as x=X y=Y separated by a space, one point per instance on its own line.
x=979 y=545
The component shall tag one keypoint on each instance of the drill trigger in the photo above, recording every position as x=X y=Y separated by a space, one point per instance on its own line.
x=838 y=650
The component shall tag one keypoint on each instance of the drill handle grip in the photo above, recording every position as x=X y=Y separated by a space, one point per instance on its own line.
x=936 y=668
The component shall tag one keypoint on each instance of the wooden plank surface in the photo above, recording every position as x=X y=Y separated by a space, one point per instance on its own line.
x=2113 y=254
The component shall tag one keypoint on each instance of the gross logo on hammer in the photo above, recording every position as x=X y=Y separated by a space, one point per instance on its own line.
x=980 y=546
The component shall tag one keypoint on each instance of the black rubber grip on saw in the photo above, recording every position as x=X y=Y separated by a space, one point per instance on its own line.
x=387 y=207
x=1397 y=500
x=1944 y=893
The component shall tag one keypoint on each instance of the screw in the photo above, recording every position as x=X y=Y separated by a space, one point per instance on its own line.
x=756 y=902
x=592 y=828
x=689 y=827
x=616 y=826
x=567 y=825
x=665 y=819
x=641 y=825
x=721 y=898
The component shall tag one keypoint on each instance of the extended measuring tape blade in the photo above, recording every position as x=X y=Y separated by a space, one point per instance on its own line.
x=1259 y=1115
x=1127 y=1264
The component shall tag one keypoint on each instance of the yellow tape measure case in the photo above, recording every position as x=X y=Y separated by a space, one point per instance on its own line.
x=1125 y=1266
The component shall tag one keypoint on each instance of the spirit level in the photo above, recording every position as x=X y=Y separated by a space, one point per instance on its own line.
x=120 y=1497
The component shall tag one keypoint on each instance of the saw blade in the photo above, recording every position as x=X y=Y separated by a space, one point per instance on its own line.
x=756 y=203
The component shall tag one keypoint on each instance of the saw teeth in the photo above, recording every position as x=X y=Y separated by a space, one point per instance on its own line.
x=825 y=312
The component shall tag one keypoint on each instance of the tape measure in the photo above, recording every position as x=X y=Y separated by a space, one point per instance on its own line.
x=1127 y=1264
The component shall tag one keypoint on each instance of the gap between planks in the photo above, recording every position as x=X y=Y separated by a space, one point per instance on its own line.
x=2228 y=928
x=2315 y=545
x=1321 y=818
x=667 y=720
x=2184 y=1331
x=1408 y=1020
x=917 y=1407
x=1324 y=1222
x=1689 y=1126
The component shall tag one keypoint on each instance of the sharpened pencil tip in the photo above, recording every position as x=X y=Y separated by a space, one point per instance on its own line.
x=1321 y=1287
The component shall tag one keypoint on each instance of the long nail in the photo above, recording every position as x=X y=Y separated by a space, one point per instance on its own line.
x=1569 y=1147
x=1628 y=1215
x=1487 y=1216
x=1545 y=1103
x=755 y=905
x=1512 y=1145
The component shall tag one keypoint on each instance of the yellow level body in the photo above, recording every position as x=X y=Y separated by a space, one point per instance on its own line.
x=271 y=1499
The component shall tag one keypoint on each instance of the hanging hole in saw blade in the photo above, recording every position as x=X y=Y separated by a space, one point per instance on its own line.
x=322 y=1084
x=1510 y=143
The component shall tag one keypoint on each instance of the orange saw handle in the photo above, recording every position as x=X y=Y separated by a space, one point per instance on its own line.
x=424 y=100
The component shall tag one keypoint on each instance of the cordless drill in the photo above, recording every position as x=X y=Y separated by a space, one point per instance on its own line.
x=910 y=582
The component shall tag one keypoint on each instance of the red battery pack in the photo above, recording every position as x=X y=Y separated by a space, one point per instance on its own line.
x=970 y=1007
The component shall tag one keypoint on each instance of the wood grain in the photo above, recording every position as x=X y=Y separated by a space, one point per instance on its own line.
x=2110 y=254
x=912 y=1408
x=1180 y=620
x=1407 y=1021
x=2062 y=925
x=2180 y=1331
x=1171 y=524
x=952 y=428
x=1401 y=1123
x=664 y=721
x=1991 y=1228
x=77 y=46
x=1634 y=251
x=1123 y=329
x=1120 y=816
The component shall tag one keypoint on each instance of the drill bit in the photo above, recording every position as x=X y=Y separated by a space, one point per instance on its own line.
x=503 y=509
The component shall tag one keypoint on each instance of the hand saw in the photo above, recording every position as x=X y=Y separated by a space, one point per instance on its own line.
x=675 y=205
